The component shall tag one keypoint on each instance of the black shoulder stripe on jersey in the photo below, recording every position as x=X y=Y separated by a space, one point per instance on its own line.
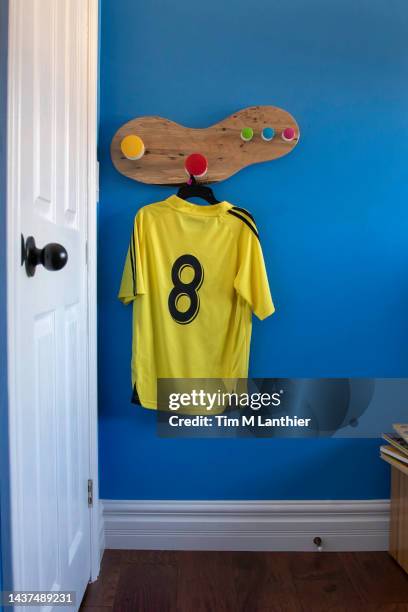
x=251 y=227
x=132 y=261
x=243 y=210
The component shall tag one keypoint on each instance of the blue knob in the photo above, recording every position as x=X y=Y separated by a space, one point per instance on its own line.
x=268 y=133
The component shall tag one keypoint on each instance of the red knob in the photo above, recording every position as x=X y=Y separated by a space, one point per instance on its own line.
x=196 y=165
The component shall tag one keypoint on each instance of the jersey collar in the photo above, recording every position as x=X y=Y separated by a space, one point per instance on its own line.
x=207 y=210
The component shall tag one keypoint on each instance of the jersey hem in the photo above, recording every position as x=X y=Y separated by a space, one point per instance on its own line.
x=150 y=405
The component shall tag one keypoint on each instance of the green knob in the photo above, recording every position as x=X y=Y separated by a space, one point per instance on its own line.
x=247 y=134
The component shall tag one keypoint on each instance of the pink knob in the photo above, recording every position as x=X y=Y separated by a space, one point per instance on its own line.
x=288 y=134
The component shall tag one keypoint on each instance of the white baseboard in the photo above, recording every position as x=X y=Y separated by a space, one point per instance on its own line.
x=246 y=525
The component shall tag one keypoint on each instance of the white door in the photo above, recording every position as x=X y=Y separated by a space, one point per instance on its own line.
x=48 y=341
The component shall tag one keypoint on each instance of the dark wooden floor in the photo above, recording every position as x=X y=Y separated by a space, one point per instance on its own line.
x=167 y=581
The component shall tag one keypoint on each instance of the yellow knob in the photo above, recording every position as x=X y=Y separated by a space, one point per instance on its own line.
x=132 y=147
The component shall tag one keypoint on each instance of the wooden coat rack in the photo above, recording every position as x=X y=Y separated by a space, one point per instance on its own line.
x=158 y=154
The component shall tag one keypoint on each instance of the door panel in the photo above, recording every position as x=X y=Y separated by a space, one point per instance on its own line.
x=44 y=103
x=75 y=490
x=46 y=475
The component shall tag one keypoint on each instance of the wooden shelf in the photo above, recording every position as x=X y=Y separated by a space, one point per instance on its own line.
x=398 y=546
x=395 y=463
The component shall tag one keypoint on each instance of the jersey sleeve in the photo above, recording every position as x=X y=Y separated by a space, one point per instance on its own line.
x=251 y=281
x=132 y=277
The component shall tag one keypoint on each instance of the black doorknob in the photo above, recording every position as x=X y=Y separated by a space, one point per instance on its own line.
x=53 y=256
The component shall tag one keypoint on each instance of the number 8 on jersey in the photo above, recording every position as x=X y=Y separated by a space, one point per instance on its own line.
x=189 y=290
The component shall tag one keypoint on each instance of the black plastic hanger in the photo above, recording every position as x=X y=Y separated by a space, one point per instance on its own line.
x=197 y=190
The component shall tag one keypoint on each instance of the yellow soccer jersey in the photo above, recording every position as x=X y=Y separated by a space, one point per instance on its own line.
x=194 y=274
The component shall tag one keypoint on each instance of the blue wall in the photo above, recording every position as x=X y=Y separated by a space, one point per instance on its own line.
x=333 y=217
